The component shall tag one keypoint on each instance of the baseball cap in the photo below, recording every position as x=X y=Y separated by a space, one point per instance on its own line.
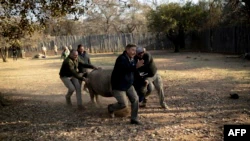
x=139 y=50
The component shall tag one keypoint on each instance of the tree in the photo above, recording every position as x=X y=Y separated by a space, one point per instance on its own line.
x=133 y=18
x=113 y=16
x=63 y=27
x=214 y=13
x=242 y=5
x=236 y=9
x=174 y=20
x=100 y=17
x=19 y=18
x=109 y=11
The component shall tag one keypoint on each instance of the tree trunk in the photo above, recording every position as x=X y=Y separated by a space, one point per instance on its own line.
x=181 y=37
x=176 y=47
x=22 y=53
x=174 y=39
x=4 y=53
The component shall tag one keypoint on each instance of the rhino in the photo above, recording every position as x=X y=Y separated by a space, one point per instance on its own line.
x=98 y=82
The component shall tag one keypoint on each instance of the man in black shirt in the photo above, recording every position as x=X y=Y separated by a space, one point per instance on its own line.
x=84 y=56
x=122 y=79
x=148 y=78
x=70 y=76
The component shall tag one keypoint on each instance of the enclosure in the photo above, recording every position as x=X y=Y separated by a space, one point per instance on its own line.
x=197 y=88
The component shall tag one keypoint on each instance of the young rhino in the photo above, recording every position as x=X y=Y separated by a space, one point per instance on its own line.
x=98 y=82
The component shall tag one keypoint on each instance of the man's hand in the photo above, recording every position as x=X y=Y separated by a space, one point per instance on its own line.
x=139 y=63
x=84 y=74
x=83 y=78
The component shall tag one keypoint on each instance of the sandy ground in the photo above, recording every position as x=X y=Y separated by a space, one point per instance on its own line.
x=197 y=88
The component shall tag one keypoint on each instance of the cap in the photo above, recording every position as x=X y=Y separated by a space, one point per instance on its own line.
x=139 y=50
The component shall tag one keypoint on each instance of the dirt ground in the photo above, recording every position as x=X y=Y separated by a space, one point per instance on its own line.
x=197 y=88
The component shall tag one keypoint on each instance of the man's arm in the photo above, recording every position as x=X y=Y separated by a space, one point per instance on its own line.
x=128 y=67
x=89 y=61
x=86 y=65
x=149 y=79
x=147 y=59
x=74 y=72
x=124 y=66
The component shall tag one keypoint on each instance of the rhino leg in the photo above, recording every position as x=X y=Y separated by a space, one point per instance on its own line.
x=85 y=87
x=91 y=93
x=97 y=100
x=92 y=96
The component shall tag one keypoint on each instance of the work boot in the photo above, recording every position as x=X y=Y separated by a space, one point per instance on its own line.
x=164 y=106
x=132 y=121
x=68 y=101
x=111 y=113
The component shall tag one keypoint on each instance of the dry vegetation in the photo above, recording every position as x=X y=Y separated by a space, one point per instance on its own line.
x=197 y=88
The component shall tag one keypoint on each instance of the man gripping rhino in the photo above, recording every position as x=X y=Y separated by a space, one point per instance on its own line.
x=83 y=55
x=147 y=78
x=122 y=79
x=70 y=76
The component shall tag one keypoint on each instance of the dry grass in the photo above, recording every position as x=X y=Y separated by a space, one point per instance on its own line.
x=197 y=88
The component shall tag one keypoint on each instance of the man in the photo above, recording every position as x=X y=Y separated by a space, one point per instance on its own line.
x=84 y=56
x=44 y=51
x=55 y=49
x=148 y=78
x=70 y=47
x=70 y=76
x=122 y=79
x=65 y=52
